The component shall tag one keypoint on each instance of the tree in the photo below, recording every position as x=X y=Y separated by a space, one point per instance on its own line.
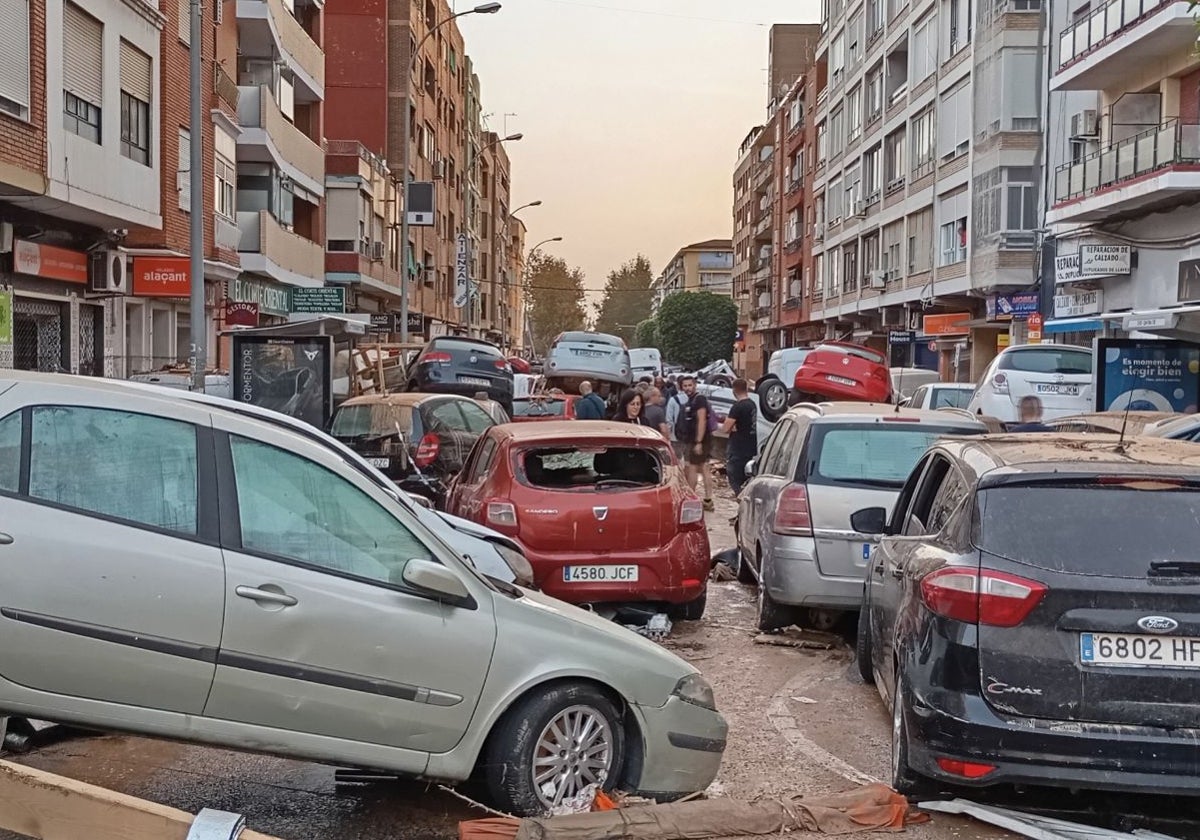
x=646 y=334
x=695 y=328
x=556 y=300
x=627 y=299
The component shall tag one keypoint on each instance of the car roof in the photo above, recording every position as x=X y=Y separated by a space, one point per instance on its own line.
x=406 y=399
x=961 y=386
x=1137 y=419
x=1171 y=425
x=1045 y=345
x=832 y=412
x=1051 y=452
x=568 y=431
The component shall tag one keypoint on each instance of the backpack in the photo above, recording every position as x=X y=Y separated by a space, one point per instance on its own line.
x=684 y=425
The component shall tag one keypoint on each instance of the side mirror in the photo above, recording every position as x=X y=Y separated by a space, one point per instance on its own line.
x=751 y=466
x=872 y=520
x=435 y=579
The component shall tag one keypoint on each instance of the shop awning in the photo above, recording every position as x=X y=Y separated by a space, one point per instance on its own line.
x=1066 y=325
x=338 y=326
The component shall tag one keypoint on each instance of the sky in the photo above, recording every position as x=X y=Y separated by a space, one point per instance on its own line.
x=632 y=113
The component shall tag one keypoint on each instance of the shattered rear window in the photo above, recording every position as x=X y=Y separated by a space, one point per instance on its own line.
x=610 y=467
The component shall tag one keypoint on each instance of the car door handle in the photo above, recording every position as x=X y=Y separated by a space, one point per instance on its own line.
x=263 y=596
x=879 y=571
x=897 y=572
x=6 y=539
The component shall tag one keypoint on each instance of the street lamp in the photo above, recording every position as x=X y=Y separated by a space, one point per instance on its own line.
x=512 y=138
x=406 y=259
x=540 y=244
x=532 y=251
x=537 y=203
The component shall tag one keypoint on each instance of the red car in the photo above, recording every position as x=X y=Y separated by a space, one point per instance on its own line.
x=601 y=510
x=836 y=371
x=542 y=407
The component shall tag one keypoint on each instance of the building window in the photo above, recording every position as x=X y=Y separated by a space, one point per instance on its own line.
x=837 y=58
x=854 y=114
x=822 y=143
x=225 y=175
x=873 y=174
x=83 y=72
x=924 y=50
x=960 y=24
x=183 y=170
x=891 y=261
x=894 y=160
x=952 y=235
x=920 y=241
x=874 y=103
x=954 y=122
x=14 y=58
x=837 y=131
x=850 y=266
x=922 y=143
x=875 y=12
x=136 y=83
x=1020 y=195
x=183 y=9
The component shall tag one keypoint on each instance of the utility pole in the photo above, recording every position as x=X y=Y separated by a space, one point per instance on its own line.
x=199 y=332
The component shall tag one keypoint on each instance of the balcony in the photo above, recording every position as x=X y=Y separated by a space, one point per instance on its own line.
x=760 y=312
x=268 y=248
x=269 y=137
x=763 y=225
x=1113 y=42
x=1152 y=168
x=266 y=27
x=763 y=171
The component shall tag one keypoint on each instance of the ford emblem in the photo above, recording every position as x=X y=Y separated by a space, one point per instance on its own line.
x=1157 y=624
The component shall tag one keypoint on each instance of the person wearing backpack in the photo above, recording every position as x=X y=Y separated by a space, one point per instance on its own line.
x=694 y=427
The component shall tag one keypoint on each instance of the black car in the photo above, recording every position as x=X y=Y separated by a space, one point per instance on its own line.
x=420 y=441
x=464 y=366
x=1032 y=614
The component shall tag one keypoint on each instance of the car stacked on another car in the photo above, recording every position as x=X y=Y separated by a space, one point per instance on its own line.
x=601 y=510
x=832 y=370
x=576 y=356
x=1030 y=614
x=819 y=465
x=462 y=366
x=1059 y=375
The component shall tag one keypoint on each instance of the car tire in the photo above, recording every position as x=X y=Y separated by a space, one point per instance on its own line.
x=773 y=397
x=693 y=610
x=772 y=615
x=862 y=645
x=525 y=732
x=722 y=382
x=904 y=780
x=745 y=572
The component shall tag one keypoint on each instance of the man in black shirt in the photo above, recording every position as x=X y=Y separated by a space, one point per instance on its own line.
x=692 y=432
x=741 y=425
x=1031 y=416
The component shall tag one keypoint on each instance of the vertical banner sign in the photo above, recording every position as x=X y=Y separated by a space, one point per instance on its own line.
x=1148 y=375
x=293 y=376
x=6 y=318
x=462 y=272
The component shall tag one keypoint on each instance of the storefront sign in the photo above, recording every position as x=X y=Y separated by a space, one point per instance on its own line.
x=1014 y=306
x=291 y=375
x=271 y=299
x=462 y=272
x=1104 y=260
x=50 y=262
x=902 y=337
x=1159 y=321
x=162 y=276
x=1003 y=339
x=6 y=318
x=416 y=323
x=322 y=300
x=1075 y=303
x=241 y=314
x=1034 y=323
x=950 y=323
x=383 y=322
x=1148 y=375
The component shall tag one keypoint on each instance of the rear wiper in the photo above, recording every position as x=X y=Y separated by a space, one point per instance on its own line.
x=383 y=436
x=1174 y=568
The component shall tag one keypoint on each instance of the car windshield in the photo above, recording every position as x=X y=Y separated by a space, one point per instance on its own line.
x=539 y=407
x=1071 y=527
x=1048 y=360
x=951 y=397
x=872 y=454
x=370 y=420
x=860 y=352
x=610 y=467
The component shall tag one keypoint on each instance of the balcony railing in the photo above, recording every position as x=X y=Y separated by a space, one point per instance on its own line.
x=1085 y=35
x=294 y=40
x=224 y=86
x=258 y=109
x=263 y=234
x=763 y=224
x=792 y=303
x=760 y=312
x=1171 y=143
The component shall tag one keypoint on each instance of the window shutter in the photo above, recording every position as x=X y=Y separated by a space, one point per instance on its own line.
x=83 y=55
x=184 y=8
x=14 y=51
x=136 y=78
x=183 y=175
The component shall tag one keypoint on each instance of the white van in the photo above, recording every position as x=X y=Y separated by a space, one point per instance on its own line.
x=645 y=361
x=783 y=364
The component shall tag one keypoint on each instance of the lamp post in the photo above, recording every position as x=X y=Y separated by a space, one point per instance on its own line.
x=511 y=138
x=529 y=303
x=406 y=157
x=198 y=357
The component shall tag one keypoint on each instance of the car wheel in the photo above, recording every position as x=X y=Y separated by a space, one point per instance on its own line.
x=771 y=614
x=693 y=610
x=862 y=645
x=904 y=780
x=552 y=745
x=745 y=572
x=722 y=382
x=772 y=397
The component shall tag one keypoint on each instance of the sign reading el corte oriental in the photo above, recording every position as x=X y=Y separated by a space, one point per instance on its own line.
x=155 y=276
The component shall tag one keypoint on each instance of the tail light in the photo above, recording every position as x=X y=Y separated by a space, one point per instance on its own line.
x=792 y=515
x=981 y=596
x=502 y=364
x=1000 y=383
x=436 y=359
x=691 y=512
x=965 y=769
x=502 y=514
x=881 y=374
x=427 y=451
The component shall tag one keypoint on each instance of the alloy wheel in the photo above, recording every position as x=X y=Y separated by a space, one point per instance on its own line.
x=574 y=750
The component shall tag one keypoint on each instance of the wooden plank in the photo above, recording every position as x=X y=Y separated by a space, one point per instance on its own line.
x=50 y=807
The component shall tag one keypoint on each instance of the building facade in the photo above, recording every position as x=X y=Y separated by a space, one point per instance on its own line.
x=747 y=354
x=700 y=267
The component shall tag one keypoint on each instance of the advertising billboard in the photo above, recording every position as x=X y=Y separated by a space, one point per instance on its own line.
x=293 y=376
x=1147 y=375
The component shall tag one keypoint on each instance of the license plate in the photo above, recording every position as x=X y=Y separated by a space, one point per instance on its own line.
x=591 y=354
x=473 y=380
x=1134 y=651
x=841 y=380
x=600 y=574
x=1060 y=388
x=380 y=462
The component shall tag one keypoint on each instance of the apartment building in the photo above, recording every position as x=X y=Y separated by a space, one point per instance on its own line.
x=1124 y=147
x=927 y=175
x=494 y=275
x=700 y=267
x=747 y=211
x=794 y=138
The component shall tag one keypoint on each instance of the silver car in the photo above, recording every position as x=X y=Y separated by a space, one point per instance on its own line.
x=576 y=355
x=820 y=465
x=180 y=570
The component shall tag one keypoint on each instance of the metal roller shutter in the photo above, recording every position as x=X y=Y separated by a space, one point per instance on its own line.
x=14 y=51
x=83 y=55
x=135 y=72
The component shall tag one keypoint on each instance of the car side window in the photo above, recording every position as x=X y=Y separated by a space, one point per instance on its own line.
x=294 y=509
x=135 y=467
x=918 y=522
x=918 y=397
x=947 y=500
x=445 y=417
x=478 y=420
x=781 y=458
x=772 y=444
x=10 y=453
x=483 y=460
x=905 y=499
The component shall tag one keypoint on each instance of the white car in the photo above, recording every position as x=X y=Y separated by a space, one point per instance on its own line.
x=1060 y=375
x=942 y=395
x=645 y=361
x=722 y=400
x=576 y=355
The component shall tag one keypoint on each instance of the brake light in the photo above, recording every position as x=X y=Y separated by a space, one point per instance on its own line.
x=427 y=450
x=891 y=418
x=792 y=516
x=501 y=364
x=880 y=374
x=1000 y=383
x=502 y=514
x=691 y=512
x=965 y=769
x=436 y=358
x=981 y=596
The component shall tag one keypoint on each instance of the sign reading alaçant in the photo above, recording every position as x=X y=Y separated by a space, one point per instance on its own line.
x=1104 y=260
x=462 y=272
x=271 y=298
x=322 y=300
x=162 y=276
x=1077 y=303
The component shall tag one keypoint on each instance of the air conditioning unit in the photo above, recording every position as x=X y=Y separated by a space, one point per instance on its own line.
x=439 y=169
x=859 y=208
x=892 y=317
x=877 y=279
x=107 y=273
x=378 y=251
x=1085 y=124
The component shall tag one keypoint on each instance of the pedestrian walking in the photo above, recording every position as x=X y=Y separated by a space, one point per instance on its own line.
x=655 y=412
x=589 y=406
x=741 y=425
x=629 y=408
x=692 y=429
x=1030 y=408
